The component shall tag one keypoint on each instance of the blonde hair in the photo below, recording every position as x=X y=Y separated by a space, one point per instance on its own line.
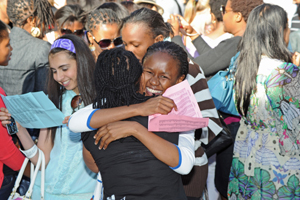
x=191 y=9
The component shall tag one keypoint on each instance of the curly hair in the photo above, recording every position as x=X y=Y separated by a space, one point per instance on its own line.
x=245 y=6
x=101 y=16
x=174 y=51
x=116 y=79
x=20 y=10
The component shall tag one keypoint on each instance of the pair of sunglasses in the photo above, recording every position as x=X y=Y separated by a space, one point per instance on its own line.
x=223 y=10
x=75 y=32
x=76 y=103
x=105 y=43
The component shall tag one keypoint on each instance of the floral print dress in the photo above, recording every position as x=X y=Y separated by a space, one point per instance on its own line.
x=266 y=159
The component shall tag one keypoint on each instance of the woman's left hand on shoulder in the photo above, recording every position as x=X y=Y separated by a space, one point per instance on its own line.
x=114 y=131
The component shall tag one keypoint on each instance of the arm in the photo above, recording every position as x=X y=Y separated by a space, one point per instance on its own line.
x=10 y=155
x=87 y=119
x=180 y=158
x=186 y=143
x=44 y=143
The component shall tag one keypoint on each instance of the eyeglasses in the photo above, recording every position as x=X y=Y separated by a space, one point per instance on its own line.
x=105 y=43
x=223 y=10
x=68 y=31
x=76 y=103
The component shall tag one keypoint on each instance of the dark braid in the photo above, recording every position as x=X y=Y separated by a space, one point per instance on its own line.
x=101 y=16
x=116 y=78
x=20 y=10
x=173 y=50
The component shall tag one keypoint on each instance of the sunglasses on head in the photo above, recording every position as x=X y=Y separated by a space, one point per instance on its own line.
x=105 y=43
x=68 y=31
x=76 y=103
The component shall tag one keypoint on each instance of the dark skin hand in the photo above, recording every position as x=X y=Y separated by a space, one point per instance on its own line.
x=159 y=104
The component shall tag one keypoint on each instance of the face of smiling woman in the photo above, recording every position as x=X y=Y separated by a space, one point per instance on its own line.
x=160 y=71
x=64 y=69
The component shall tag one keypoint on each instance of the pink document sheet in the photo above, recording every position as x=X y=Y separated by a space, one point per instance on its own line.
x=188 y=117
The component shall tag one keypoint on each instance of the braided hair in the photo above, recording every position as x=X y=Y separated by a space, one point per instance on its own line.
x=175 y=51
x=101 y=16
x=20 y=10
x=116 y=79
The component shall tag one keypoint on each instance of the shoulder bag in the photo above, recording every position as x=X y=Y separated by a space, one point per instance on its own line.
x=33 y=173
x=221 y=88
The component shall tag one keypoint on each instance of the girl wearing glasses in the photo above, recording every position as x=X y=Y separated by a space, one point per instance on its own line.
x=67 y=177
x=69 y=19
x=103 y=26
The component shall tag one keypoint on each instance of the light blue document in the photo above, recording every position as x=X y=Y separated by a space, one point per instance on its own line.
x=33 y=110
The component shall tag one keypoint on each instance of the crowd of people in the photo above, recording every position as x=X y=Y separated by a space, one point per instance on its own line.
x=105 y=65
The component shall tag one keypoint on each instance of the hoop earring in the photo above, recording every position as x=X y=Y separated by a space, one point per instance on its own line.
x=35 y=32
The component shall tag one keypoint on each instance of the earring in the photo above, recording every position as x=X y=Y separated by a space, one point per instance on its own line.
x=35 y=32
x=92 y=47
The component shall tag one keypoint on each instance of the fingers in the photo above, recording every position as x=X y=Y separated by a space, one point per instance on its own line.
x=5 y=116
x=167 y=105
x=101 y=131
x=66 y=120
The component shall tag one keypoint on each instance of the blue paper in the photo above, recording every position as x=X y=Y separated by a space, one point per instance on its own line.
x=33 y=110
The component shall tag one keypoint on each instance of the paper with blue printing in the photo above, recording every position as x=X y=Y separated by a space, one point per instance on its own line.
x=33 y=110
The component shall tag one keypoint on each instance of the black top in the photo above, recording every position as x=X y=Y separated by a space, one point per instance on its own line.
x=130 y=170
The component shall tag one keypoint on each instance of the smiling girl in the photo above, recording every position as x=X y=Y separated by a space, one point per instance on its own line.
x=136 y=163
x=67 y=177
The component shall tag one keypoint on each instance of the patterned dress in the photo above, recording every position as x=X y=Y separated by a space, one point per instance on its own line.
x=266 y=160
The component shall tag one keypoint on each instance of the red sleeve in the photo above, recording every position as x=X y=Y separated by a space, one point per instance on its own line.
x=10 y=155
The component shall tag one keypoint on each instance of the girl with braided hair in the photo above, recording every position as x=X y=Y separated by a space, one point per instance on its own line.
x=136 y=163
x=26 y=72
x=103 y=26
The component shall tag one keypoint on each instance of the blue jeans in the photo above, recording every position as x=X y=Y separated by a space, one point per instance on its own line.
x=7 y=186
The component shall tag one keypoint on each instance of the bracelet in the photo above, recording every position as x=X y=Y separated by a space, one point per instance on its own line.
x=29 y=153
x=192 y=34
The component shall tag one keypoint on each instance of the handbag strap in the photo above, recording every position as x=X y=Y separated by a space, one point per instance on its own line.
x=20 y=175
x=40 y=164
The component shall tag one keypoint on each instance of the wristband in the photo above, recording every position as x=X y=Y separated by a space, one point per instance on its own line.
x=29 y=153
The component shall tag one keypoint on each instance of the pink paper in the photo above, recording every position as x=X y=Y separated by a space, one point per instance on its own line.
x=176 y=123
x=188 y=116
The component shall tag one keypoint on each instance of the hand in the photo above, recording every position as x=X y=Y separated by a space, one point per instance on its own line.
x=174 y=21
x=114 y=131
x=4 y=116
x=159 y=104
x=296 y=58
x=66 y=120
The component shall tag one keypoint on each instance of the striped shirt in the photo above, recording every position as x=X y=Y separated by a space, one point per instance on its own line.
x=206 y=104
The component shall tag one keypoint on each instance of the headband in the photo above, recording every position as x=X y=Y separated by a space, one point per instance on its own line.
x=64 y=44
